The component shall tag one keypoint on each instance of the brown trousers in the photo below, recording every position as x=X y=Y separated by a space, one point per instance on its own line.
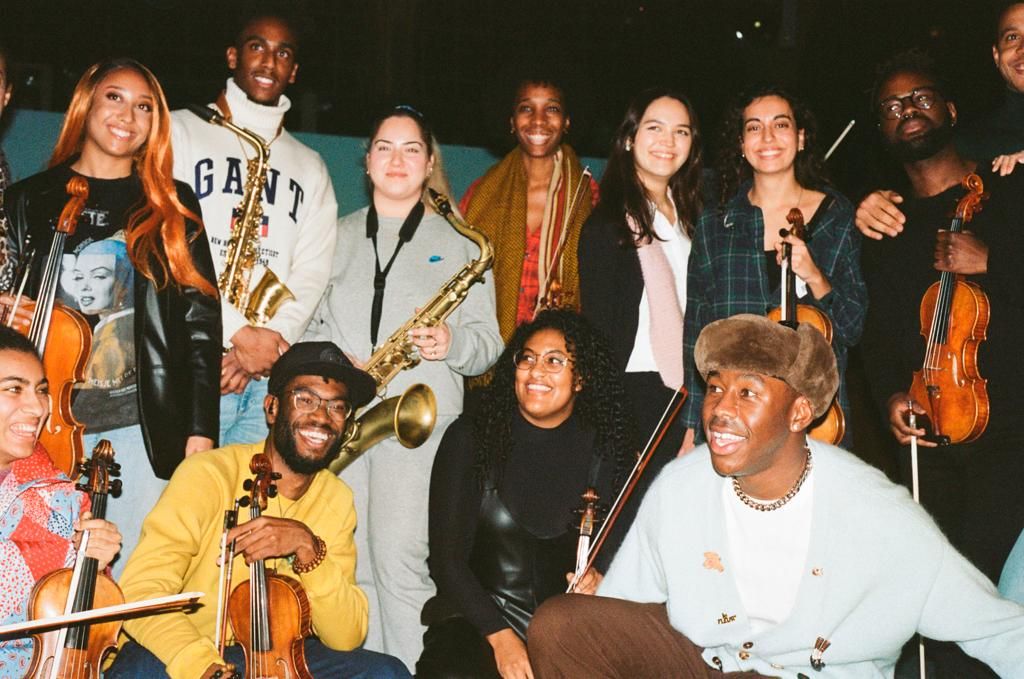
x=595 y=637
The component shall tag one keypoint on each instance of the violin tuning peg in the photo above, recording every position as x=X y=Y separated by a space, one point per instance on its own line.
x=247 y=484
x=272 y=491
x=115 y=487
x=275 y=476
x=243 y=502
x=82 y=487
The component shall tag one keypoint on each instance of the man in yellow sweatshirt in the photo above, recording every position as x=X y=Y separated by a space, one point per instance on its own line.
x=305 y=532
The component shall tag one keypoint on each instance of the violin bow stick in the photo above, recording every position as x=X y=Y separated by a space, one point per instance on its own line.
x=563 y=236
x=165 y=603
x=915 y=484
x=667 y=416
x=840 y=138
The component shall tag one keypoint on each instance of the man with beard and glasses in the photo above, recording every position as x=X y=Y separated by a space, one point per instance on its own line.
x=305 y=532
x=972 y=489
x=765 y=553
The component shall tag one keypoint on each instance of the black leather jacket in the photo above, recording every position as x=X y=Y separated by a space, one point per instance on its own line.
x=177 y=330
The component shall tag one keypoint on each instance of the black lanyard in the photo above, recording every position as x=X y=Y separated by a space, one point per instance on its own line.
x=405 y=234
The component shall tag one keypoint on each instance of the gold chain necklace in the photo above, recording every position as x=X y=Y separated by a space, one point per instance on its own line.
x=772 y=506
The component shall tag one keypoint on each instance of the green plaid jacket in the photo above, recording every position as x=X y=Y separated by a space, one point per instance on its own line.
x=727 y=275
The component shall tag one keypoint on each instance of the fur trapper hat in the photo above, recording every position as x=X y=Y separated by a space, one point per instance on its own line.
x=801 y=358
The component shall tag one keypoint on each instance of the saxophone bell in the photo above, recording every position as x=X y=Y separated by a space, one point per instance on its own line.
x=410 y=418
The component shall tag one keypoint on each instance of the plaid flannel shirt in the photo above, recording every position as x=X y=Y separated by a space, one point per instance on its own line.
x=727 y=275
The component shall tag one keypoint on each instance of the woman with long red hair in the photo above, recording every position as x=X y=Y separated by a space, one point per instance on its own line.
x=138 y=268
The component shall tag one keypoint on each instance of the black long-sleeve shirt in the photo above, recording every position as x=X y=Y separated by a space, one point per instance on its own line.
x=899 y=271
x=546 y=472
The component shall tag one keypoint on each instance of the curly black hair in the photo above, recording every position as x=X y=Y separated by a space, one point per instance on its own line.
x=601 y=405
x=733 y=168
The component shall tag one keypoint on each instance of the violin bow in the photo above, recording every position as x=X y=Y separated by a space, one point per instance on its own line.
x=667 y=417
x=915 y=485
x=840 y=138
x=585 y=176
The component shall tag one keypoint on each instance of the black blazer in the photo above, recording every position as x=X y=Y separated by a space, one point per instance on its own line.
x=611 y=283
x=177 y=331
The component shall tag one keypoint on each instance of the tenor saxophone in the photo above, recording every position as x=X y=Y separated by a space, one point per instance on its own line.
x=411 y=416
x=258 y=304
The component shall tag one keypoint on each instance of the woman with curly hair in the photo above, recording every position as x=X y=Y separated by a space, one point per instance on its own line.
x=634 y=251
x=163 y=403
x=770 y=163
x=553 y=422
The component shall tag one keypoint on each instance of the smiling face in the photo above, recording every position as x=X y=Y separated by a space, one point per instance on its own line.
x=918 y=133
x=748 y=418
x=1008 y=51
x=307 y=442
x=263 y=62
x=770 y=138
x=662 y=142
x=546 y=398
x=398 y=160
x=24 y=404
x=539 y=120
x=119 y=120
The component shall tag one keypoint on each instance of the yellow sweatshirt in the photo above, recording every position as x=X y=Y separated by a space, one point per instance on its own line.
x=180 y=546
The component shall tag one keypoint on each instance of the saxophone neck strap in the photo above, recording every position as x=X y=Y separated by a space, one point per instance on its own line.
x=405 y=234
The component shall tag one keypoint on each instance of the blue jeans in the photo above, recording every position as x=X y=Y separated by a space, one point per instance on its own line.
x=241 y=415
x=134 y=661
x=1011 y=583
x=140 y=487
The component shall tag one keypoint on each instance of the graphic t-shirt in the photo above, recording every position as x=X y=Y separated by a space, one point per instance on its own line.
x=96 y=279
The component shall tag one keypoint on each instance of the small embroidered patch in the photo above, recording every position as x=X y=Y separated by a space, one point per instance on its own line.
x=435 y=258
x=713 y=562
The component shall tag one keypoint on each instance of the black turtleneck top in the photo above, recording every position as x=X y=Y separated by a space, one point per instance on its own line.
x=546 y=473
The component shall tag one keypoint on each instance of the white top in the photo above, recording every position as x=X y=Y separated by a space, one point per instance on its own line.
x=299 y=210
x=769 y=550
x=677 y=249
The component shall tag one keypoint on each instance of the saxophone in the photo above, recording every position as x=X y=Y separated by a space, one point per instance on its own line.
x=411 y=416
x=259 y=304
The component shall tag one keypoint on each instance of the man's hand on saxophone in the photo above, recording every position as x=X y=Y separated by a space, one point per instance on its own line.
x=433 y=343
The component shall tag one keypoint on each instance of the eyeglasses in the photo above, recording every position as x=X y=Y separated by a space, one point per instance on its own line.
x=922 y=98
x=551 y=362
x=306 y=401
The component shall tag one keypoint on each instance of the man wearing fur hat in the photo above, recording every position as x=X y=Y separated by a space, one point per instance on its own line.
x=769 y=553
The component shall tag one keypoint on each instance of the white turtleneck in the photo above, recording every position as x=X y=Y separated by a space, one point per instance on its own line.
x=299 y=207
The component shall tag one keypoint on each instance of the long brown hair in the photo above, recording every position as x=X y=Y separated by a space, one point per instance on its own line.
x=157 y=244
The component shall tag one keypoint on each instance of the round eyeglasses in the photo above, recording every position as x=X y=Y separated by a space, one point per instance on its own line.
x=922 y=98
x=306 y=401
x=551 y=362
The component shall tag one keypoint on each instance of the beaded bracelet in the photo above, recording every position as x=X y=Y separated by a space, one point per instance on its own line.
x=318 y=557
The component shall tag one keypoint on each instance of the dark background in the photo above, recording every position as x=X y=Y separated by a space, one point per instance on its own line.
x=458 y=60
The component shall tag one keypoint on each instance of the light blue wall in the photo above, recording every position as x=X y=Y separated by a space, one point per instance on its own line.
x=32 y=134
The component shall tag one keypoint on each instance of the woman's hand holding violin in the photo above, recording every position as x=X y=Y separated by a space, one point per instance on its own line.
x=804 y=266
x=23 y=316
x=104 y=538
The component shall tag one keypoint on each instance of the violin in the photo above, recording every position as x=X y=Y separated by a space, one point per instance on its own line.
x=830 y=427
x=553 y=296
x=588 y=520
x=954 y=319
x=668 y=418
x=68 y=329
x=270 y=613
x=78 y=650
